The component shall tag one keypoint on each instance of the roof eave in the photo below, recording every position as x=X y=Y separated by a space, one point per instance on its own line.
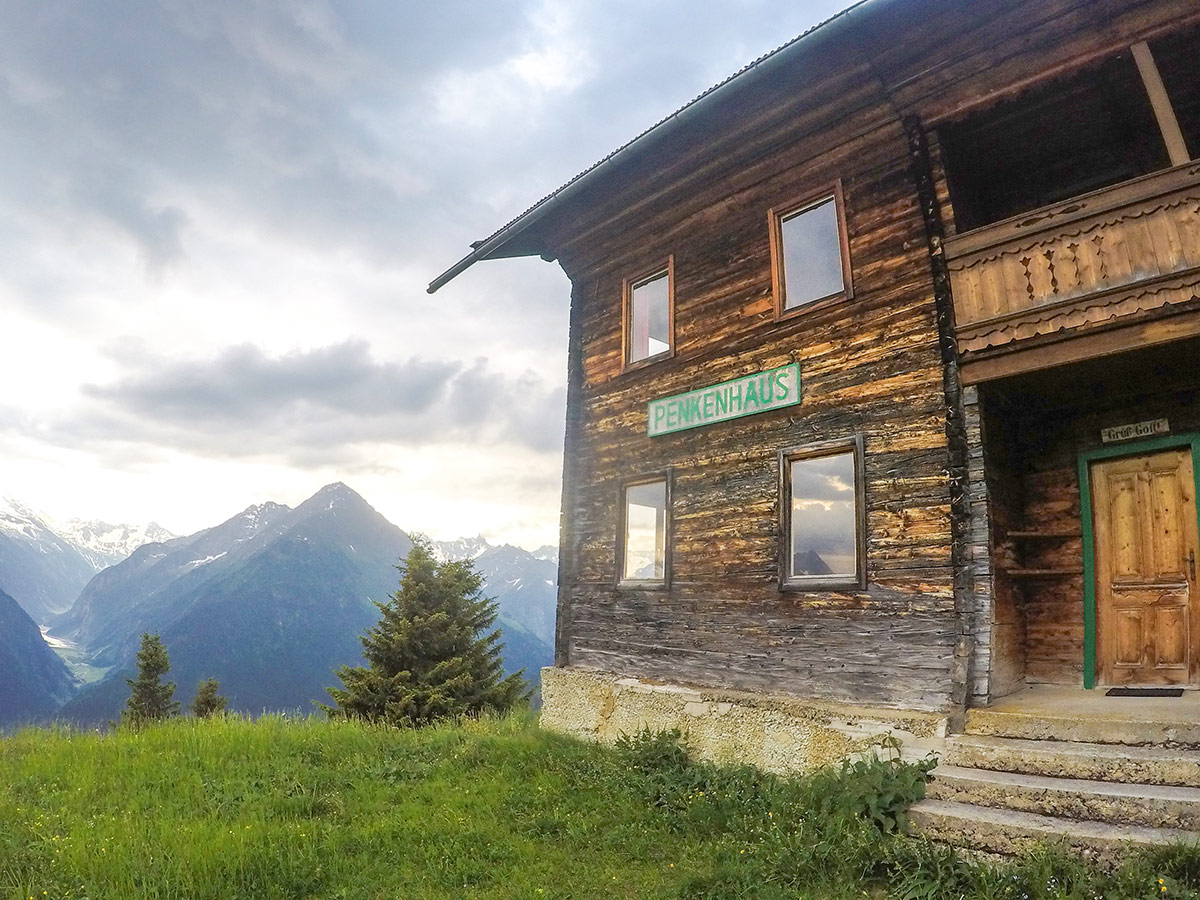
x=492 y=247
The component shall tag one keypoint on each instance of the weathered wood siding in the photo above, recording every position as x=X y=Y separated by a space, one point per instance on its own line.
x=1007 y=635
x=1059 y=415
x=870 y=365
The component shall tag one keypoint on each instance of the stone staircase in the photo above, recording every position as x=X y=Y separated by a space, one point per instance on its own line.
x=1093 y=782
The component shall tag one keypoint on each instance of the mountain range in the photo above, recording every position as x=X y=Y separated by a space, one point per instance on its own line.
x=39 y=568
x=269 y=602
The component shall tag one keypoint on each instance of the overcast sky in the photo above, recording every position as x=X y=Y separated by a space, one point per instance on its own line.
x=218 y=219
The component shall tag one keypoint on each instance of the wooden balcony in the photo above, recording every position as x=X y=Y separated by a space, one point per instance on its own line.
x=1095 y=261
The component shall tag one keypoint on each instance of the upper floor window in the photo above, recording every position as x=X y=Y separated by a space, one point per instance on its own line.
x=823 y=516
x=644 y=545
x=809 y=256
x=1102 y=125
x=649 y=316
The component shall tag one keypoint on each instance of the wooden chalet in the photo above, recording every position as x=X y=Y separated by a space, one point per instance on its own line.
x=884 y=381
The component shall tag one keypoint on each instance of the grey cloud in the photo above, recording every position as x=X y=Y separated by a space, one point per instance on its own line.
x=311 y=127
x=828 y=479
x=313 y=119
x=319 y=405
x=157 y=230
x=293 y=116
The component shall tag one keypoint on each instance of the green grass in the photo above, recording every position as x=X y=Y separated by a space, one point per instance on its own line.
x=497 y=809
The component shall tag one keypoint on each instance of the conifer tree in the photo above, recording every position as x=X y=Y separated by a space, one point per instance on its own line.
x=150 y=699
x=207 y=701
x=433 y=655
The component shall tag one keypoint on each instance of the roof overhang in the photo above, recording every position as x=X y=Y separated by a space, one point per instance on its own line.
x=516 y=238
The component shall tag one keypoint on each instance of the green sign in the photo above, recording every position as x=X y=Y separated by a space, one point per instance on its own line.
x=746 y=396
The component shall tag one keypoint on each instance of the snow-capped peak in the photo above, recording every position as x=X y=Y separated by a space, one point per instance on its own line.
x=18 y=517
x=548 y=552
x=104 y=544
x=462 y=548
x=100 y=543
x=10 y=506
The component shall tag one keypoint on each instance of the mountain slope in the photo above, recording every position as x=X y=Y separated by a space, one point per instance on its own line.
x=269 y=603
x=273 y=601
x=33 y=680
x=524 y=586
x=38 y=569
x=158 y=582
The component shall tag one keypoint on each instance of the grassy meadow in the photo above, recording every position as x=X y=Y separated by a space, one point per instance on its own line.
x=193 y=810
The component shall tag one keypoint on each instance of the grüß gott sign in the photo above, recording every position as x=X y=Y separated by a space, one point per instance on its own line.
x=745 y=396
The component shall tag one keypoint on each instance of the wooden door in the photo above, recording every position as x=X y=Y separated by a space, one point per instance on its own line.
x=1144 y=517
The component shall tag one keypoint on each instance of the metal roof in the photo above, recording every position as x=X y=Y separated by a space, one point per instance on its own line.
x=493 y=247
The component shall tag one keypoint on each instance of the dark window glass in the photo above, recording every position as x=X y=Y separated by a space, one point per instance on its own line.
x=1057 y=140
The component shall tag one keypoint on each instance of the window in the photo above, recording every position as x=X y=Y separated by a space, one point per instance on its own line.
x=823 y=515
x=809 y=255
x=644 y=556
x=648 y=316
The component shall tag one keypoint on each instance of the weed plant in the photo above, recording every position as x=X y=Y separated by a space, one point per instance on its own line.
x=492 y=808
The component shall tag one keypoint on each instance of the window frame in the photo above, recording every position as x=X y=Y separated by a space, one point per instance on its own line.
x=855 y=581
x=775 y=217
x=627 y=288
x=666 y=476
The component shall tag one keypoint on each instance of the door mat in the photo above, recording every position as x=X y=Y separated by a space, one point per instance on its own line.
x=1144 y=692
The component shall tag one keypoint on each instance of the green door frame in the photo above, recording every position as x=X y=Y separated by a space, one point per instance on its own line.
x=1131 y=448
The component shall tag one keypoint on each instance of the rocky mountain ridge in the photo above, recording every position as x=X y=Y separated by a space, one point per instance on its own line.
x=39 y=569
x=270 y=601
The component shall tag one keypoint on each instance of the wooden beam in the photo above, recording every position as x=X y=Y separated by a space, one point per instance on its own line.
x=1164 y=112
x=1078 y=349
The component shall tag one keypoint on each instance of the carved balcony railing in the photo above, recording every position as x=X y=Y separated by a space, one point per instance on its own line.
x=1101 y=256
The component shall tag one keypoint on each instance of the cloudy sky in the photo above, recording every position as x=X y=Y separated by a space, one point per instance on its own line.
x=218 y=219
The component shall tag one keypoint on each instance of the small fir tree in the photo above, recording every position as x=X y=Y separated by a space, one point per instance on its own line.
x=208 y=702
x=150 y=699
x=433 y=655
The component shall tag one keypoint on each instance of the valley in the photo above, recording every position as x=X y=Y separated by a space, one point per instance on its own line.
x=269 y=602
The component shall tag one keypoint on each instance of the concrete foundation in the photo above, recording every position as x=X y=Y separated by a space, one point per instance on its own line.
x=774 y=733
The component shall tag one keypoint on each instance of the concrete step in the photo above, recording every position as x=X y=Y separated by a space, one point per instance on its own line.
x=1149 y=726
x=1011 y=832
x=1064 y=759
x=1154 y=806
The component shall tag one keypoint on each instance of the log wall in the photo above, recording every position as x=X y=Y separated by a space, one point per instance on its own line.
x=870 y=368
x=1060 y=415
